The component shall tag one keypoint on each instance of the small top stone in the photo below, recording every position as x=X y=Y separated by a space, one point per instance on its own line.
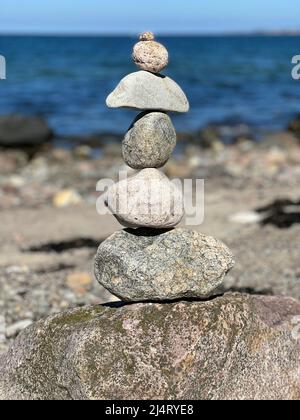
x=150 y=55
x=147 y=36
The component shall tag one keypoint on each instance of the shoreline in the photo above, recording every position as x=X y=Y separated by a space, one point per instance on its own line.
x=226 y=133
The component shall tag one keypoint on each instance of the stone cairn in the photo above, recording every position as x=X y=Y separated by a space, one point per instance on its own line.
x=150 y=260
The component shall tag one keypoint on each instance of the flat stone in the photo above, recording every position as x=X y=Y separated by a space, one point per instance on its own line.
x=234 y=347
x=141 y=265
x=150 y=141
x=148 y=199
x=150 y=56
x=147 y=91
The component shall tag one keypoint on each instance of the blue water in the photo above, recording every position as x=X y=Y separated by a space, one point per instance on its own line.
x=66 y=80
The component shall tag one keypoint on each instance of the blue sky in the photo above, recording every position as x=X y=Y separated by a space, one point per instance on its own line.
x=131 y=16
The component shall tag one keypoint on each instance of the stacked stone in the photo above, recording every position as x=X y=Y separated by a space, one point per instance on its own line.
x=151 y=260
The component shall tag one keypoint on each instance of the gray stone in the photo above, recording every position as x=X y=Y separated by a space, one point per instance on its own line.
x=141 y=265
x=148 y=199
x=235 y=347
x=17 y=130
x=150 y=141
x=147 y=91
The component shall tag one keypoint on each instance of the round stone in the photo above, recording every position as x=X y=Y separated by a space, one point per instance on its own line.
x=147 y=36
x=150 y=56
x=150 y=141
x=148 y=199
x=153 y=265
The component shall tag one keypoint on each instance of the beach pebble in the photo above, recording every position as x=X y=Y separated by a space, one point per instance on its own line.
x=147 y=91
x=15 y=181
x=143 y=264
x=15 y=329
x=247 y=217
x=79 y=282
x=148 y=199
x=147 y=36
x=150 y=55
x=150 y=141
x=65 y=198
x=83 y=152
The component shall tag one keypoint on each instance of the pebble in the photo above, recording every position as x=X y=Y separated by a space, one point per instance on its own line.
x=83 y=152
x=147 y=36
x=79 y=283
x=65 y=198
x=15 y=329
x=16 y=181
x=244 y=218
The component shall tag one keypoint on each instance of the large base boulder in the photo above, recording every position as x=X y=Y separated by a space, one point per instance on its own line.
x=231 y=347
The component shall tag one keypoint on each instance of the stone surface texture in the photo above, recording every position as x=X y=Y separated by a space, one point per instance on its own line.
x=234 y=347
x=150 y=56
x=150 y=141
x=147 y=91
x=148 y=199
x=143 y=265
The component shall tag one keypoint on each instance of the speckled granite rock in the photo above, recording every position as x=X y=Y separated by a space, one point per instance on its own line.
x=150 y=55
x=147 y=36
x=150 y=141
x=234 y=347
x=147 y=91
x=140 y=265
x=147 y=199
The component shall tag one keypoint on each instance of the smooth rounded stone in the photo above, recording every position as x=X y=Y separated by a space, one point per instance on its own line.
x=149 y=265
x=234 y=347
x=148 y=199
x=147 y=91
x=147 y=36
x=150 y=141
x=150 y=55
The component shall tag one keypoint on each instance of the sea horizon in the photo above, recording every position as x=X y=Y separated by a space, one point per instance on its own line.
x=258 y=32
x=234 y=79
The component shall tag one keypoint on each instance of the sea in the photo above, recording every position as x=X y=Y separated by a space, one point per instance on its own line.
x=228 y=79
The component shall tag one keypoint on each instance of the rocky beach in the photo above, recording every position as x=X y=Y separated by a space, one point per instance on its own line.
x=50 y=228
